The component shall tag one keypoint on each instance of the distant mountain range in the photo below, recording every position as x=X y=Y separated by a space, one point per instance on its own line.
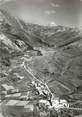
x=35 y=35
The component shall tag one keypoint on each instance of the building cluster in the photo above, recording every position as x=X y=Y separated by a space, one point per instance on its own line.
x=21 y=104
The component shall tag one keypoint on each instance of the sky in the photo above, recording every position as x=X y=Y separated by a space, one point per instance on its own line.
x=47 y=12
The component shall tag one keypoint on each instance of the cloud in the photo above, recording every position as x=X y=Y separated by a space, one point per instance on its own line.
x=55 y=5
x=49 y=12
x=4 y=1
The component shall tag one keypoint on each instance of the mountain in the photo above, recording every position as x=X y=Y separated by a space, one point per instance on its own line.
x=48 y=54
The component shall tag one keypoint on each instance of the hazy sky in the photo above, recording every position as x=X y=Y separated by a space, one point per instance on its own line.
x=57 y=12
